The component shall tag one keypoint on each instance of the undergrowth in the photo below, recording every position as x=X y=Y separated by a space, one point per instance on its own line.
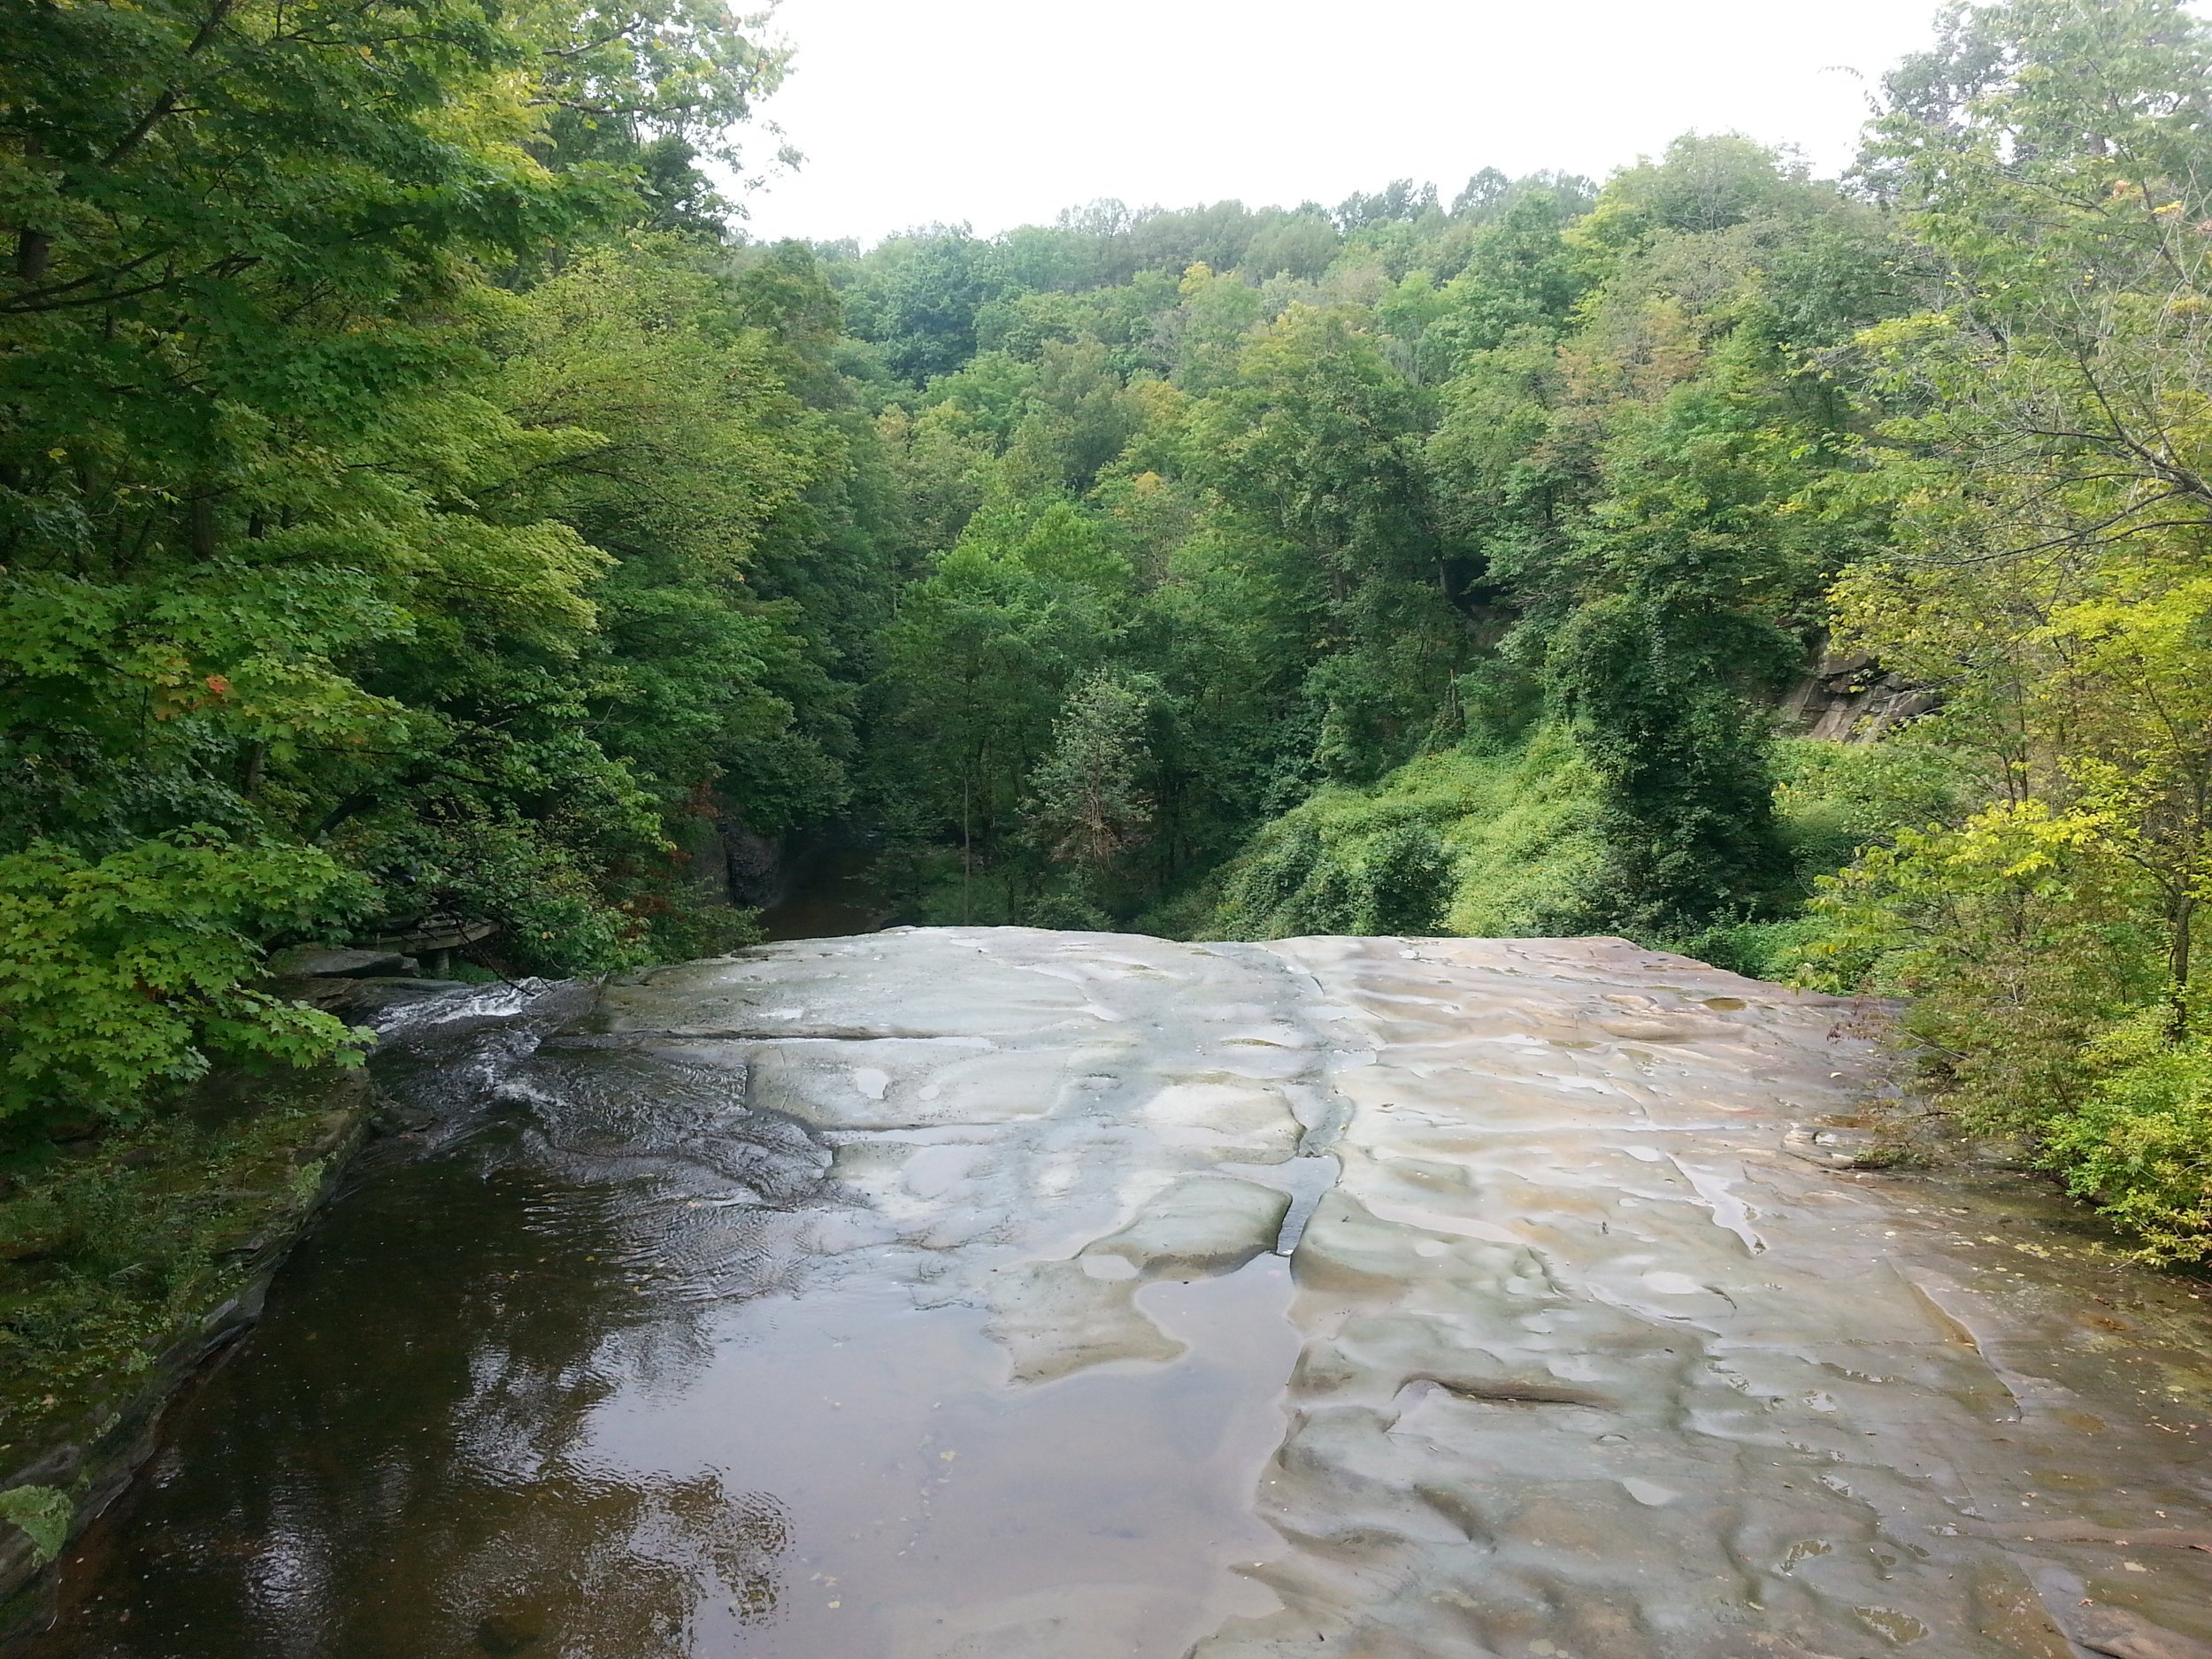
x=1463 y=841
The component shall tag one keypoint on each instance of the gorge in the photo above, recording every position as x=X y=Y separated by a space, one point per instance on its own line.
x=1545 y=838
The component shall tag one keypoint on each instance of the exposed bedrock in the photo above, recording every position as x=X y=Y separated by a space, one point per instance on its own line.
x=1584 y=1359
x=1091 y=1295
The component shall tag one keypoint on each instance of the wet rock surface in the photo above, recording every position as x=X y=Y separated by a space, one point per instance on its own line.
x=994 y=1293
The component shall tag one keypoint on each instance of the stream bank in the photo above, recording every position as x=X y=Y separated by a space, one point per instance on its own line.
x=200 y=1205
x=134 y=1259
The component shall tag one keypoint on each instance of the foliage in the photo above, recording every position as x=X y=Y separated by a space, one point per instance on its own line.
x=1460 y=841
x=2140 y=1143
x=1833 y=799
x=1540 y=447
x=981 y=653
x=2039 y=462
x=43 y=1513
x=1830 y=802
x=2017 y=933
x=1408 y=880
x=119 y=977
x=1086 y=798
x=1662 y=668
x=412 y=512
x=418 y=506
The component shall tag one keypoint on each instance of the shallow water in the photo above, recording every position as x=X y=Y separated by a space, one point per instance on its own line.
x=997 y=1295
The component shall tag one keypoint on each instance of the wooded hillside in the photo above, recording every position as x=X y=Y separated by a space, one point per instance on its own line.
x=423 y=508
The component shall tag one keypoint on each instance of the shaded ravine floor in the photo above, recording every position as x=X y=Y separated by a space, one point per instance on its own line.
x=1005 y=1294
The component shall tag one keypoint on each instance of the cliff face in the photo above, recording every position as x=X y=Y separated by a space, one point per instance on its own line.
x=1852 y=700
x=992 y=1294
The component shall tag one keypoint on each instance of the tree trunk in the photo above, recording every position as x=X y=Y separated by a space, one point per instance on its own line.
x=2177 y=969
x=33 y=250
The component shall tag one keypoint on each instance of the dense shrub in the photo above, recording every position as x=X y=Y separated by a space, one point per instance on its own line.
x=1467 y=840
x=129 y=973
x=2140 y=1143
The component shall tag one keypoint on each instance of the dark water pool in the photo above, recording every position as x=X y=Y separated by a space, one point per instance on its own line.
x=565 y=1374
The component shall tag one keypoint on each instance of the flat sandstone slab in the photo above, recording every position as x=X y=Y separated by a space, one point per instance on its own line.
x=995 y=1293
x=1585 y=1362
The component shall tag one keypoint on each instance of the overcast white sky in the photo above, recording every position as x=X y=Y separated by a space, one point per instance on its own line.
x=1000 y=113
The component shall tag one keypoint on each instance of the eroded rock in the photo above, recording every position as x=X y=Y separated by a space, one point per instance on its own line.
x=1090 y=1296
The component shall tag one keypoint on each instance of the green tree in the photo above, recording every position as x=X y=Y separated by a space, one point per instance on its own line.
x=1695 y=567
x=1319 y=443
x=2045 y=574
x=1087 y=805
x=261 y=631
x=976 y=666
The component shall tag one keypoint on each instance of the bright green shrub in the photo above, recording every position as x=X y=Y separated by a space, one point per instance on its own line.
x=1461 y=842
x=1835 y=799
x=1407 y=877
x=2018 y=939
x=2039 y=1001
x=1527 y=843
x=128 y=974
x=1759 y=950
x=2139 y=1144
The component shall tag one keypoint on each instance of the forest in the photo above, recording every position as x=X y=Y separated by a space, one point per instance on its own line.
x=423 y=505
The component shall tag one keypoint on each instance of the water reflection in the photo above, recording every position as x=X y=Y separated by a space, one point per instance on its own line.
x=401 y=1461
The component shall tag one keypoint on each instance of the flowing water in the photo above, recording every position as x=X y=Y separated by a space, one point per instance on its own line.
x=1005 y=1294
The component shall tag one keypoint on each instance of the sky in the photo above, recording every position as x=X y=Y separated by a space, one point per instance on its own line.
x=1001 y=113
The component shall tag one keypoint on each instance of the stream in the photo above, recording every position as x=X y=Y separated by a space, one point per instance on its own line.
x=996 y=1294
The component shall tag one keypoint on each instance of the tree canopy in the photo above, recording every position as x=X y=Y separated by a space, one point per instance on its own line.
x=424 y=510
